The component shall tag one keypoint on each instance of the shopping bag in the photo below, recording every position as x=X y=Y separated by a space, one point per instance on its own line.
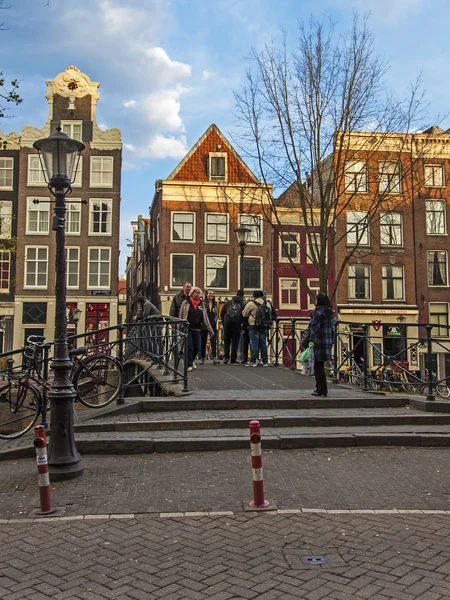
x=305 y=355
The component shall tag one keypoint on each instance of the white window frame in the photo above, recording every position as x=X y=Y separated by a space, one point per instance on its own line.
x=433 y=169
x=6 y=168
x=429 y=203
x=73 y=205
x=308 y=251
x=314 y=285
x=180 y=287
x=70 y=124
x=40 y=182
x=355 y=179
x=218 y=177
x=157 y=229
x=102 y=170
x=99 y=249
x=389 y=177
x=6 y=207
x=26 y=262
x=226 y=216
x=388 y=215
x=384 y=281
x=369 y=270
x=69 y=261
x=244 y=219
x=435 y=332
x=194 y=226
x=226 y=256
x=158 y=273
x=42 y=207
x=352 y=229
x=3 y=254
x=108 y=202
x=294 y=240
x=79 y=174
x=289 y=305
x=445 y=285
x=260 y=258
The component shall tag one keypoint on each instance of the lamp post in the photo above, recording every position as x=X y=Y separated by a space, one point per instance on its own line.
x=242 y=233
x=59 y=156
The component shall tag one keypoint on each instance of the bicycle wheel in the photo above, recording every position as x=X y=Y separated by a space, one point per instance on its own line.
x=443 y=390
x=19 y=410
x=98 y=381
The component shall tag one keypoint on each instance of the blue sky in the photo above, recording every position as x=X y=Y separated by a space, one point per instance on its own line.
x=168 y=68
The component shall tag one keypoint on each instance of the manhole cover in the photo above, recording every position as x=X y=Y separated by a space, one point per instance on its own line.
x=313 y=559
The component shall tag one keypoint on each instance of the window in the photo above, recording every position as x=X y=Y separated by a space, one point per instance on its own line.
x=217 y=166
x=183 y=227
x=252 y=273
x=35 y=173
x=73 y=266
x=254 y=222
x=435 y=217
x=434 y=175
x=73 y=218
x=99 y=267
x=289 y=247
x=217 y=272
x=356 y=176
x=439 y=316
x=314 y=286
x=437 y=268
x=102 y=171
x=5 y=270
x=100 y=216
x=6 y=173
x=391 y=229
x=38 y=216
x=389 y=173
x=392 y=277
x=78 y=181
x=359 y=282
x=73 y=129
x=216 y=228
x=357 y=229
x=289 y=293
x=313 y=243
x=182 y=269
x=5 y=219
x=34 y=313
x=157 y=229
x=36 y=266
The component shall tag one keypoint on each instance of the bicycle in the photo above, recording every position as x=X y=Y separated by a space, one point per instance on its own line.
x=97 y=380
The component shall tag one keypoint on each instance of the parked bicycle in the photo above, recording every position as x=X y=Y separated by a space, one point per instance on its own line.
x=97 y=379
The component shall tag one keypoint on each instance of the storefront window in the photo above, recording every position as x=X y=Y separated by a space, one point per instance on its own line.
x=97 y=319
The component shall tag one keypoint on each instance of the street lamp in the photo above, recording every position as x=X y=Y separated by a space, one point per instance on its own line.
x=242 y=233
x=59 y=156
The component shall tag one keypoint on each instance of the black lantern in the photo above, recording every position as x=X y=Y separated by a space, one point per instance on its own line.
x=59 y=156
x=242 y=233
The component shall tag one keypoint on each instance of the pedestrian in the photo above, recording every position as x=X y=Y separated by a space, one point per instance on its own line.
x=211 y=307
x=245 y=337
x=194 y=312
x=231 y=316
x=179 y=298
x=321 y=335
x=261 y=315
x=147 y=309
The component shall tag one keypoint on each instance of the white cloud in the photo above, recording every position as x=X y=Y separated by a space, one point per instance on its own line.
x=129 y=104
x=161 y=60
x=168 y=147
x=207 y=75
x=163 y=109
x=386 y=11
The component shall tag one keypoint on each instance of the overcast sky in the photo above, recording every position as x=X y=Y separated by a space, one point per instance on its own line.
x=168 y=68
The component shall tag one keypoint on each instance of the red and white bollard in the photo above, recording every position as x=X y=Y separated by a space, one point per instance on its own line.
x=40 y=443
x=257 y=472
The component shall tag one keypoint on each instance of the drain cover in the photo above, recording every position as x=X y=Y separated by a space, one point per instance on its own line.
x=313 y=559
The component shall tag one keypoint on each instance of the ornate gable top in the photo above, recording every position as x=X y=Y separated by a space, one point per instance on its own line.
x=72 y=83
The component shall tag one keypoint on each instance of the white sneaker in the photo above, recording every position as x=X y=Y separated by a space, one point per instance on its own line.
x=189 y=369
x=259 y=362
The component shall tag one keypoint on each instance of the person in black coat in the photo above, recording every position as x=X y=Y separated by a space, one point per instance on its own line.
x=231 y=316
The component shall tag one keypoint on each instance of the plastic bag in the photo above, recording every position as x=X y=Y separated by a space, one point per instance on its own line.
x=305 y=355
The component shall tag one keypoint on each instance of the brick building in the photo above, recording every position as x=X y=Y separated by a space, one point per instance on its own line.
x=194 y=212
x=92 y=220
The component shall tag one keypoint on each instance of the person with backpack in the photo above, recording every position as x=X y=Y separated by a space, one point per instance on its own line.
x=231 y=316
x=261 y=315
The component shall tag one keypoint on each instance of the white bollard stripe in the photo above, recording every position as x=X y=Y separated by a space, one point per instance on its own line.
x=256 y=449
x=43 y=479
x=41 y=456
x=257 y=474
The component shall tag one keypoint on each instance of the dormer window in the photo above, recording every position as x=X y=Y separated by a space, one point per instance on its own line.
x=218 y=168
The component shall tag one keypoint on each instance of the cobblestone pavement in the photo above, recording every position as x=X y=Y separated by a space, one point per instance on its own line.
x=175 y=526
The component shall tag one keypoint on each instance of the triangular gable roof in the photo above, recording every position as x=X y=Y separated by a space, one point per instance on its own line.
x=212 y=131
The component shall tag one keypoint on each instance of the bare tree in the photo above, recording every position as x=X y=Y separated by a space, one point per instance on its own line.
x=8 y=93
x=299 y=111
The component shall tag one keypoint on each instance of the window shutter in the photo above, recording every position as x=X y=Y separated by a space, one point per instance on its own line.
x=87 y=131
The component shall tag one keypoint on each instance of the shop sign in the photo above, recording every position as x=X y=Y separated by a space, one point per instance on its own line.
x=100 y=292
x=376 y=325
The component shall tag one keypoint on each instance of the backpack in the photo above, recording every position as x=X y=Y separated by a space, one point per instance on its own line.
x=233 y=313
x=263 y=317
